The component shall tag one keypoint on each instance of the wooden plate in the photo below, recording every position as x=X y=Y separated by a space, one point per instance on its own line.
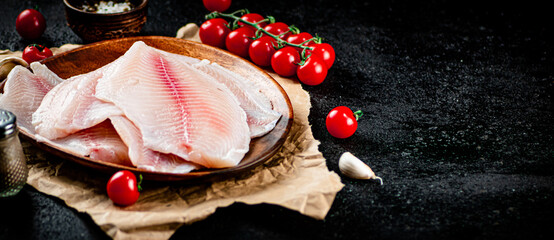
x=93 y=56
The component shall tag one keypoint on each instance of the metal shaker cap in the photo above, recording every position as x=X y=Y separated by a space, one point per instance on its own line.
x=8 y=126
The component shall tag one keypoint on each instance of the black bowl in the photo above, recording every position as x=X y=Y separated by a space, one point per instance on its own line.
x=92 y=26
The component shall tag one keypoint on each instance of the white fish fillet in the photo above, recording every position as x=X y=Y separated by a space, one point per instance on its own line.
x=260 y=115
x=41 y=70
x=71 y=106
x=183 y=58
x=259 y=111
x=100 y=142
x=177 y=110
x=23 y=92
x=146 y=158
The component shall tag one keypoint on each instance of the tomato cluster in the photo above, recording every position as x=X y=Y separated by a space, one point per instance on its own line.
x=266 y=43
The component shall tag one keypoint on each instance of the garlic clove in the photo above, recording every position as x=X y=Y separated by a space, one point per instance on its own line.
x=353 y=167
x=189 y=31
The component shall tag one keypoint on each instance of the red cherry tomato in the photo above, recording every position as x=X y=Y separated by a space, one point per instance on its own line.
x=238 y=41
x=213 y=32
x=298 y=39
x=341 y=122
x=252 y=18
x=277 y=29
x=30 y=24
x=35 y=52
x=284 y=61
x=324 y=51
x=261 y=50
x=123 y=188
x=217 y=5
x=313 y=72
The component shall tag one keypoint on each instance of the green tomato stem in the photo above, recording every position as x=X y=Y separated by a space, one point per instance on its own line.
x=38 y=46
x=294 y=29
x=139 y=187
x=241 y=11
x=265 y=20
x=270 y=18
x=358 y=114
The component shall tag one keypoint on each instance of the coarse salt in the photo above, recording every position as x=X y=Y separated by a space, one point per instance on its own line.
x=109 y=7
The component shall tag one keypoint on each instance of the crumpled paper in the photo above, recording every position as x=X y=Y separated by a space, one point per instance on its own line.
x=296 y=177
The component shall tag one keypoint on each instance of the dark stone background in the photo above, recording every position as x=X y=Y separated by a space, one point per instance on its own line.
x=458 y=122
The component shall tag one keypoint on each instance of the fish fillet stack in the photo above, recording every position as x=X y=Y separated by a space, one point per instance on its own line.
x=149 y=109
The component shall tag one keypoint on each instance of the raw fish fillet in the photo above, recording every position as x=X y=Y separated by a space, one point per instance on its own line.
x=182 y=58
x=260 y=115
x=177 y=110
x=259 y=111
x=23 y=92
x=41 y=70
x=145 y=158
x=100 y=142
x=71 y=106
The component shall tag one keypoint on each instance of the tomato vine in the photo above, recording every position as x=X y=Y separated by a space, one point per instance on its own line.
x=288 y=51
x=261 y=31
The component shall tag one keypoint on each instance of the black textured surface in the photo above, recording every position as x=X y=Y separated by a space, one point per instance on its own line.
x=458 y=122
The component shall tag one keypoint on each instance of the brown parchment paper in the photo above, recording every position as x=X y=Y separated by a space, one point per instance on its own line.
x=297 y=178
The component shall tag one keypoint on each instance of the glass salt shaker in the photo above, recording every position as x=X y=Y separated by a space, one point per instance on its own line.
x=13 y=164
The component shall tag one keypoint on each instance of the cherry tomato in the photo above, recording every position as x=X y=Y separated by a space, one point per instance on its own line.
x=284 y=61
x=35 y=52
x=252 y=18
x=341 y=122
x=30 y=24
x=123 y=188
x=217 y=5
x=277 y=29
x=238 y=41
x=313 y=72
x=261 y=50
x=213 y=32
x=324 y=51
x=298 y=39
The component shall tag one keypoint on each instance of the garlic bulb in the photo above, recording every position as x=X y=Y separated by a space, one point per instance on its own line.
x=353 y=167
